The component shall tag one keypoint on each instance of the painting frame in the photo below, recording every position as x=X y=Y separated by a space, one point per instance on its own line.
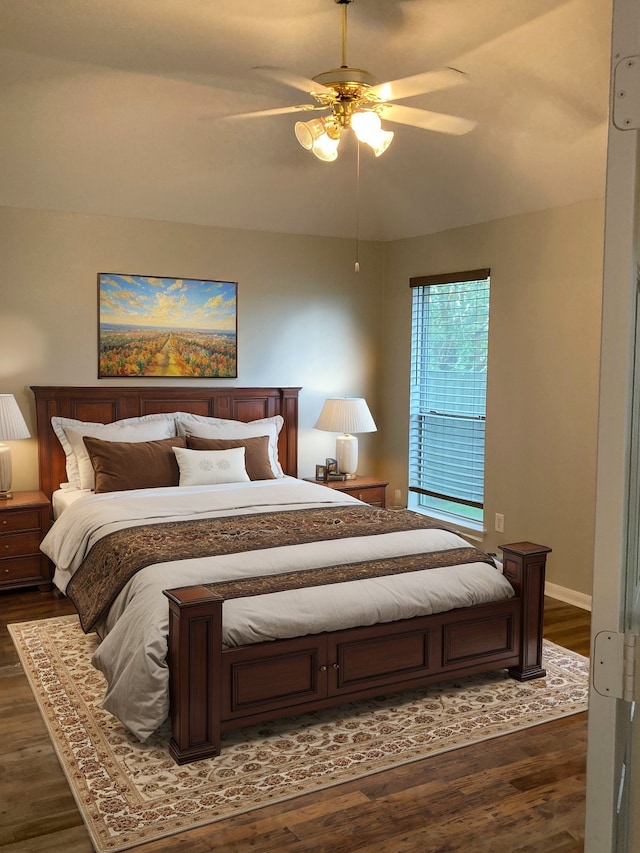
x=166 y=327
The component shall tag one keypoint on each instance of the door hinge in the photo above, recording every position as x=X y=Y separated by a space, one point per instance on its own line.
x=626 y=94
x=615 y=672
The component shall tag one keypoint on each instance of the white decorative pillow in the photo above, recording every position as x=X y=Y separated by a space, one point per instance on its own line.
x=204 y=427
x=211 y=467
x=70 y=431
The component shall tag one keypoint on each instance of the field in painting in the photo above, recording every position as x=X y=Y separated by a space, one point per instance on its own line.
x=163 y=352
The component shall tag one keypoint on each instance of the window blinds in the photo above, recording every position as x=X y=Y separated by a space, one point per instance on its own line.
x=449 y=337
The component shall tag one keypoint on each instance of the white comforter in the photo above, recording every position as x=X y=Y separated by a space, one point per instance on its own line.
x=132 y=654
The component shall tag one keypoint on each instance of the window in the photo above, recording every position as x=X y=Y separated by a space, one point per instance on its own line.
x=449 y=339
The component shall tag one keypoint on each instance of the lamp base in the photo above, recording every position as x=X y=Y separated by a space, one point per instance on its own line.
x=5 y=471
x=347 y=455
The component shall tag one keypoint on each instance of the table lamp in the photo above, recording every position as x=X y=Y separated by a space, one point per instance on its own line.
x=346 y=415
x=12 y=426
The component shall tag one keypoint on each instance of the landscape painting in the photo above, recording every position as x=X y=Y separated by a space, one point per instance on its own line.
x=166 y=327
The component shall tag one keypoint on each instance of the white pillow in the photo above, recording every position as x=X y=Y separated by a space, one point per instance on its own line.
x=211 y=467
x=70 y=431
x=204 y=427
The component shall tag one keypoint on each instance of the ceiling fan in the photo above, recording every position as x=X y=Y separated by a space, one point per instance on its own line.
x=354 y=100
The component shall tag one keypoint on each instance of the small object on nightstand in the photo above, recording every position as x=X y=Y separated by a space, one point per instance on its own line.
x=331 y=466
x=24 y=520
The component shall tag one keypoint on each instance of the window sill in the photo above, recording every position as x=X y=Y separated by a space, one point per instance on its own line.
x=468 y=529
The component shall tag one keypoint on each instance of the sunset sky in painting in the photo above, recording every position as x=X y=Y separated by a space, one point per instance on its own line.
x=175 y=303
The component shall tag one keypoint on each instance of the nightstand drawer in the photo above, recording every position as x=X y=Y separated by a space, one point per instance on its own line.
x=375 y=497
x=23 y=571
x=23 y=519
x=20 y=544
x=368 y=489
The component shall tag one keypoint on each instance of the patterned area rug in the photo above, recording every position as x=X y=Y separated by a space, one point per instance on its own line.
x=130 y=793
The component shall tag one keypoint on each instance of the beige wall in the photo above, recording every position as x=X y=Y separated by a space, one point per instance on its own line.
x=305 y=318
x=544 y=337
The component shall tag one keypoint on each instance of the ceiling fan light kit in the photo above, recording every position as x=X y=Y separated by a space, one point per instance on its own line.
x=367 y=127
x=357 y=102
x=320 y=136
x=347 y=93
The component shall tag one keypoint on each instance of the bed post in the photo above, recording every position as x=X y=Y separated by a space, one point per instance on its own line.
x=195 y=661
x=524 y=568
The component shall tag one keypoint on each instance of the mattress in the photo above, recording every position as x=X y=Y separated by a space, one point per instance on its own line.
x=64 y=497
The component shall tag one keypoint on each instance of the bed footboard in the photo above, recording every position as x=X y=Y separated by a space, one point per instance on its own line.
x=195 y=648
x=214 y=689
x=524 y=567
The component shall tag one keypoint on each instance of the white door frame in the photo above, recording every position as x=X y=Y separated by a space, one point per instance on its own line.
x=616 y=378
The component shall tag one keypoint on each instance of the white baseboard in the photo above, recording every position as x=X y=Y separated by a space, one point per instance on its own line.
x=569 y=596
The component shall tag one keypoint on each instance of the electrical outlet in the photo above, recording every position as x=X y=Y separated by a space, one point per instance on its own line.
x=499 y=522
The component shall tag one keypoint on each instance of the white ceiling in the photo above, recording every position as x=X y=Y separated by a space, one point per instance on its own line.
x=116 y=107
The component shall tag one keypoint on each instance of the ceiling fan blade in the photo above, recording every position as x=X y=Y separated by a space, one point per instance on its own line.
x=427 y=120
x=296 y=81
x=419 y=84
x=277 y=111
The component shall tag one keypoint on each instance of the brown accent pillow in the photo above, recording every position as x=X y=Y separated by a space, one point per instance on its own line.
x=256 y=452
x=121 y=465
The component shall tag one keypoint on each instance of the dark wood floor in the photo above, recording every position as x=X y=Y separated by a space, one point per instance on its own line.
x=522 y=793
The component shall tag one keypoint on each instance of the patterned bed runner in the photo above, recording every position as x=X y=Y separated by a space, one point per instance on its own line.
x=324 y=575
x=115 y=558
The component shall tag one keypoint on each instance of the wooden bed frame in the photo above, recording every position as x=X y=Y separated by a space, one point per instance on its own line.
x=215 y=689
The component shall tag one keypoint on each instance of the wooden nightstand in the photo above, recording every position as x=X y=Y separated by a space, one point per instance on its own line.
x=367 y=489
x=24 y=520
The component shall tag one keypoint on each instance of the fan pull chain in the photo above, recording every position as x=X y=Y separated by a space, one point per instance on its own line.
x=357 y=263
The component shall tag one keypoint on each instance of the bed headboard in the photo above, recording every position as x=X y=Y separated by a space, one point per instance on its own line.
x=112 y=403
